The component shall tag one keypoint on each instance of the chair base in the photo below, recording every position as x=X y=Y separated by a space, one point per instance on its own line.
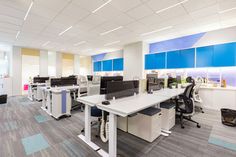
x=188 y=118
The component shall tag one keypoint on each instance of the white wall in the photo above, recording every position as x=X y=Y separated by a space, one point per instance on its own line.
x=16 y=70
x=134 y=60
x=58 y=64
x=43 y=63
x=113 y=55
x=76 y=64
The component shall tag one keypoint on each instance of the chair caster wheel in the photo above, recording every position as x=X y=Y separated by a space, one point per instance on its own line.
x=82 y=130
x=203 y=112
x=182 y=127
x=199 y=126
x=97 y=136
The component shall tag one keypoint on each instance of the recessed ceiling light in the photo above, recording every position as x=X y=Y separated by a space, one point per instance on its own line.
x=112 y=43
x=104 y=33
x=65 y=30
x=227 y=10
x=17 y=34
x=27 y=13
x=103 y=5
x=79 y=43
x=158 y=30
x=172 y=6
x=46 y=43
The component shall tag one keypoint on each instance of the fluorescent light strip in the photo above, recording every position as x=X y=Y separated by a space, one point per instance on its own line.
x=103 y=5
x=27 y=13
x=65 y=30
x=227 y=10
x=104 y=33
x=112 y=43
x=172 y=6
x=158 y=30
x=46 y=43
x=17 y=34
x=79 y=43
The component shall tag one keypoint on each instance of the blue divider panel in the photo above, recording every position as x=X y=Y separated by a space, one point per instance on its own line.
x=224 y=55
x=118 y=64
x=204 y=56
x=97 y=66
x=173 y=60
x=187 y=58
x=107 y=65
x=155 y=61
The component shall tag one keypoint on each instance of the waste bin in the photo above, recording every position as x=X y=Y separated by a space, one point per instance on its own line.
x=228 y=117
x=3 y=99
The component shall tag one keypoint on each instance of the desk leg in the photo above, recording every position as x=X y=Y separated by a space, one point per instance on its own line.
x=112 y=135
x=87 y=129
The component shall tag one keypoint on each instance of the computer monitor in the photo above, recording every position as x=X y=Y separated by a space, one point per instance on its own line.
x=55 y=82
x=154 y=84
x=171 y=81
x=120 y=89
x=40 y=79
x=105 y=80
x=90 y=77
x=68 y=81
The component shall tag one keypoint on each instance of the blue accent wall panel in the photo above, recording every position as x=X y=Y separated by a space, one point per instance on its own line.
x=187 y=58
x=118 y=64
x=204 y=56
x=175 y=44
x=173 y=59
x=97 y=66
x=224 y=55
x=107 y=65
x=155 y=61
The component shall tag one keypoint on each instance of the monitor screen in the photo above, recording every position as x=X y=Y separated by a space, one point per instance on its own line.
x=40 y=79
x=105 y=80
x=55 y=82
x=90 y=77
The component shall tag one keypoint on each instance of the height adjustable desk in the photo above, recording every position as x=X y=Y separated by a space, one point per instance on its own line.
x=121 y=107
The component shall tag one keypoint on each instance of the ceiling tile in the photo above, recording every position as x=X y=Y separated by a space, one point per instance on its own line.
x=140 y=12
x=125 y=5
x=192 y=5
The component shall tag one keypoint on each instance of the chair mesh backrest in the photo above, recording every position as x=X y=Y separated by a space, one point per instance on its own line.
x=188 y=91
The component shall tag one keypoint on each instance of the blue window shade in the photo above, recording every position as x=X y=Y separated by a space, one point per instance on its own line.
x=204 y=56
x=107 y=65
x=97 y=66
x=155 y=61
x=118 y=64
x=173 y=59
x=187 y=58
x=224 y=55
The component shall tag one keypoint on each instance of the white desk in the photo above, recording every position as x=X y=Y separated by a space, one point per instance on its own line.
x=120 y=107
x=34 y=91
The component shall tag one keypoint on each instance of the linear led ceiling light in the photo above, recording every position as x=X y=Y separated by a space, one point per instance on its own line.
x=79 y=43
x=172 y=6
x=46 y=43
x=227 y=10
x=103 y=5
x=158 y=30
x=112 y=43
x=104 y=33
x=17 y=34
x=27 y=13
x=65 y=30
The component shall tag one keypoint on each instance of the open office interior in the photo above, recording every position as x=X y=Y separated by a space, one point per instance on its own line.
x=117 y=78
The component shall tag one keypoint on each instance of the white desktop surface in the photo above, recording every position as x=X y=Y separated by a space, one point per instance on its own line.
x=60 y=88
x=130 y=105
x=169 y=92
x=92 y=100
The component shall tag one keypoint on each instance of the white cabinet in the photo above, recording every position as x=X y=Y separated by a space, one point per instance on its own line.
x=6 y=86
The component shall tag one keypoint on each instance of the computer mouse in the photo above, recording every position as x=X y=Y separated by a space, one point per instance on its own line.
x=106 y=103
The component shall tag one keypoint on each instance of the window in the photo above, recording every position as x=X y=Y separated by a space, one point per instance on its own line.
x=51 y=63
x=67 y=64
x=30 y=66
x=4 y=65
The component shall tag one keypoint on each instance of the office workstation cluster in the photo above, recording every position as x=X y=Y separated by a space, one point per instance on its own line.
x=110 y=78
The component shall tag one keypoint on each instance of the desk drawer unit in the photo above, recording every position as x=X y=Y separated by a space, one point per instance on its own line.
x=146 y=126
x=168 y=116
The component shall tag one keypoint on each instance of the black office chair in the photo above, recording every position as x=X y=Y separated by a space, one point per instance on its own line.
x=95 y=112
x=185 y=106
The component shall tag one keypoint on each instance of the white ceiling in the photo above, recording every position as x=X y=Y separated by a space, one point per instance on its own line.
x=48 y=18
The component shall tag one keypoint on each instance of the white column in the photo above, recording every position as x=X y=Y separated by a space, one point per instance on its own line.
x=112 y=135
x=134 y=60
x=76 y=64
x=43 y=63
x=16 y=70
x=58 y=64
